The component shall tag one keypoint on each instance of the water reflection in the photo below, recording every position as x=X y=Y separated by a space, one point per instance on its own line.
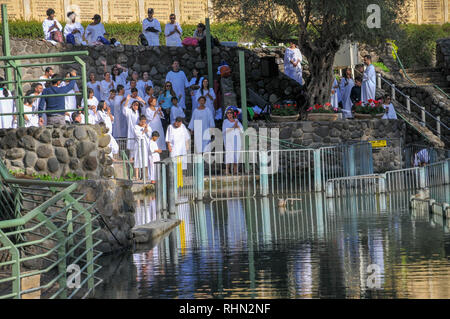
x=313 y=248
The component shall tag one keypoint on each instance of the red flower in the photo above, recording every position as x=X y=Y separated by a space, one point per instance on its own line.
x=359 y=103
x=310 y=109
x=328 y=104
x=289 y=105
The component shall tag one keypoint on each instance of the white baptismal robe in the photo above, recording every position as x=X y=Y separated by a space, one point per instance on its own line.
x=132 y=120
x=47 y=24
x=201 y=122
x=209 y=102
x=232 y=140
x=334 y=97
x=154 y=121
x=179 y=83
x=141 y=151
x=178 y=138
x=6 y=106
x=391 y=114
x=103 y=117
x=346 y=90
x=70 y=27
x=294 y=73
x=96 y=88
x=369 y=84
x=173 y=40
x=152 y=37
x=120 y=127
x=105 y=87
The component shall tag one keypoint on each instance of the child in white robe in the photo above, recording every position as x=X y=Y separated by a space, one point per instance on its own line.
x=389 y=107
x=155 y=157
x=142 y=133
x=106 y=85
x=104 y=116
x=94 y=85
x=194 y=86
x=201 y=121
x=30 y=119
x=92 y=103
x=209 y=95
x=176 y=111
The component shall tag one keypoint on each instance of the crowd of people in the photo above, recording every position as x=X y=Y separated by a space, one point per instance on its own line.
x=95 y=33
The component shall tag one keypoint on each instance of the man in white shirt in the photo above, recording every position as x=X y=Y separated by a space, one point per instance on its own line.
x=47 y=76
x=94 y=30
x=75 y=28
x=369 y=83
x=178 y=140
x=173 y=32
x=179 y=82
x=151 y=28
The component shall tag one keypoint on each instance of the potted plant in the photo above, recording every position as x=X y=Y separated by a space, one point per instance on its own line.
x=324 y=112
x=369 y=110
x=284 y=112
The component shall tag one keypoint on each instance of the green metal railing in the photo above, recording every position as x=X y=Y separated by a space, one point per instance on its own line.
x=14 y=75
x=46 y=228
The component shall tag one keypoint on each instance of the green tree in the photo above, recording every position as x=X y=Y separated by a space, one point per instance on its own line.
x=322 y=26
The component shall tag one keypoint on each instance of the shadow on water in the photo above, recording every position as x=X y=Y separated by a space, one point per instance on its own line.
x=313 y=248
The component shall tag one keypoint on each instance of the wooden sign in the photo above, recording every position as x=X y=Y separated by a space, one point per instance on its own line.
x=39 y=9
x=123 y=11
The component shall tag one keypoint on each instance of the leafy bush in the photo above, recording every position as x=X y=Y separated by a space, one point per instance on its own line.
x=381 y=66
x=127 y=33
x=417 y=44
x=275 y=32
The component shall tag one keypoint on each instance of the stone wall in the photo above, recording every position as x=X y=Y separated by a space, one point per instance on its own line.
x=157 y=61
x=316 y=134
x=57 y=150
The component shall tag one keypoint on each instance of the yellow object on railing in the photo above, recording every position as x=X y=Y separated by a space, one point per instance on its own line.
x=179 y=172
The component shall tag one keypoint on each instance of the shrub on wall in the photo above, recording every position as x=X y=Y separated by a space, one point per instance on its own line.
x=127 y=33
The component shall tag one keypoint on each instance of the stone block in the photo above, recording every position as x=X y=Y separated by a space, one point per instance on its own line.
x=84 y=148
x=62 y=155
x=53 y=165
x=15 y=153
x=44 y=151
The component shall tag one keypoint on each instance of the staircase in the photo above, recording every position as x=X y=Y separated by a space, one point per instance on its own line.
x=429 y=77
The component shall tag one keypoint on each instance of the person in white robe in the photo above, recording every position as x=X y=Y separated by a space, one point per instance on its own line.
x=105 y=86
x=176 y=111
x=153 y=113
x=143 y=84
x=179 y=82
x=347 y=84
x=119 y=78
x=132 y=85
x=94 y=85
x=38 y=88
x=149 y=93
x=94 y=30
x=293 y=63
x=120 y=126
x=30 y=119
x=75 y=28
x=173 y=32
x=110 y=100
x=194 y=85
x=389 y=107
x=131 y=110
x=178 y=141
x=201 y=121
x=51 y=25
x=142 y=133
x=92 y=103
x=70 y=101
x=334 y=94
x=48 y=74
x=155 y=152
x=6 y=106
x=151 y=28
x=105 y=116
x=232 y=131
x=209 y=95
x=369 y=81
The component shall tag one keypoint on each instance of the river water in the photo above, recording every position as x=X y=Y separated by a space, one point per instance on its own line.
x=352 y=247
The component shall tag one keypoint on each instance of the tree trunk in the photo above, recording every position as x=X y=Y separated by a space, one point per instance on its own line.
x=322 y=77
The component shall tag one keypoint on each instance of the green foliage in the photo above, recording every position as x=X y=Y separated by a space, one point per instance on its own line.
x=127 y=33
x=381 y=66
x=277 y=31
x=373 y=108
x=70 y=177
x=417 y=43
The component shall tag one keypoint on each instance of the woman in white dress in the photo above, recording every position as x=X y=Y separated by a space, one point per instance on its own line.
x=335 y=94
x=202 y=137
x=389 y=107
x=208 y=94
x=293 y=63
x=92 y=103
x=153 y=113
x=143 y=84
x=6 y=106
x=173 y=32
x=104 y=116
x=117 y=76
x=30 y=119
x=194 y=86
x=347 y=84
x=131 y=113
x=75 y=28
x=232 y=130
x=51 y=25
x=106 y=85
x=94 y=85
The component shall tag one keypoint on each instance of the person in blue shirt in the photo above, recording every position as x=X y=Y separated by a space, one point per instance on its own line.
x=165 y=101
x=55 y=103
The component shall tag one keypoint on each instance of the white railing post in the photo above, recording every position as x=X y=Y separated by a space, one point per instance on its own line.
x=438 y=126
x=264 y=173
x=317 y=171
x=393 y=92
x=422 y=178
x=379 y=80
x=408 y=103
x=423 y=117
x=446 y=170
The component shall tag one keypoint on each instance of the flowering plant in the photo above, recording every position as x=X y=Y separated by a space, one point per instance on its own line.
x=326 y=108
x=371 y=107
x=286 y=109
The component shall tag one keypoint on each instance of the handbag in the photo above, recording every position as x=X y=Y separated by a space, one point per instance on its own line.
x=57 y=36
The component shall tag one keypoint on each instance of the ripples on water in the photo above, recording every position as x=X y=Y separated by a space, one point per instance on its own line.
x=316 y=248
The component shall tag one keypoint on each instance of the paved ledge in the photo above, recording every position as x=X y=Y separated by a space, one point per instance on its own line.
x=145 y=233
